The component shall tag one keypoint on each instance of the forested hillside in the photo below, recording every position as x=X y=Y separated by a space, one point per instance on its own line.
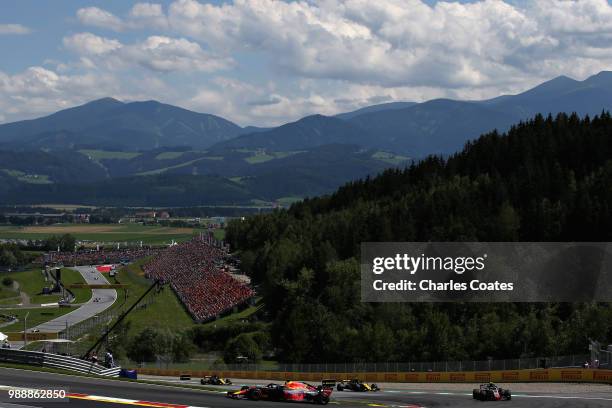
x=549 y=179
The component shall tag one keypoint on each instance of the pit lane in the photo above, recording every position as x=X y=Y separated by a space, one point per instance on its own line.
x=214 y=397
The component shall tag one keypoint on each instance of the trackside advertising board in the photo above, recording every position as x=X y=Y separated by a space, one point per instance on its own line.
x=536 y=375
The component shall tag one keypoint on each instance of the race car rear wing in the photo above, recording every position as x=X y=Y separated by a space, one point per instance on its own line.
x=328 y=383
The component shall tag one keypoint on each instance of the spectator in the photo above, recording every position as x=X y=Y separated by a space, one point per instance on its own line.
x=95 y=257
x=196 y=272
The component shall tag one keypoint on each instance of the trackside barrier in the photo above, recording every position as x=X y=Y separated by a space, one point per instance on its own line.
x=37 y=358
x=18 y=336
x=535 y=375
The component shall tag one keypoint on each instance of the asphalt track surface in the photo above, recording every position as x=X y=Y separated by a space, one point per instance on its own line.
x=101 y=299
x=158 y=395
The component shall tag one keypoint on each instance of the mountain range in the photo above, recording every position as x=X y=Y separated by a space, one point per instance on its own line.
x=108 y=142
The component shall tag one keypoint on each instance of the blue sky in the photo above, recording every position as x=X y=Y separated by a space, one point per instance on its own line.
x=266 y=62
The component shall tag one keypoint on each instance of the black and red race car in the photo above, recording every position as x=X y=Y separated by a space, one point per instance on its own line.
x=491 y=392
x=290 y=391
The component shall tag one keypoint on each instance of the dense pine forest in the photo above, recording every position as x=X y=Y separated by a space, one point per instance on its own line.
x=549 y=179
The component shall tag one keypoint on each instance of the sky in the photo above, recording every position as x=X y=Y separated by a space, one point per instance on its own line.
x=267 y=62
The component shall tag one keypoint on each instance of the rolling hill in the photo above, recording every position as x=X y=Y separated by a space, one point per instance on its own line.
x=111 y=124
x=311 y=131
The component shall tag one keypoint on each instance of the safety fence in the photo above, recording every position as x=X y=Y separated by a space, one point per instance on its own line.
x=100 y=320
x=69 y=363
x=531 y=375
x=571 y=361
x=86 y=326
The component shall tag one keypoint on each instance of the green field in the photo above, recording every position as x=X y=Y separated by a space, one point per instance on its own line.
x=169 y=155
x=36 y=317
x=8 y=295
x=166 y=311
x=149 y=234
x=28 y=178
x=287 y=201
x=177 y=166
x=390 y=158
x=262 y=157
x=164 y=169
x=259 y=158
x=243 y=314
x=31 y=282
x=106 y=154
x=219 y=234
x=70 y=276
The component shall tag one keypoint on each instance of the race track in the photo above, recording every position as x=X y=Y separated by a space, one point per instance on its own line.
x=119 y=394
x=101 y=299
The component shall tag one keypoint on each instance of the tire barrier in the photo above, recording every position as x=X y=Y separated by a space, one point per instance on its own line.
x=36 y=358
x=535 y=375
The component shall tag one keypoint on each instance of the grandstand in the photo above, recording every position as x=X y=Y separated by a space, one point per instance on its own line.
x=195 y=270
x=95 y=257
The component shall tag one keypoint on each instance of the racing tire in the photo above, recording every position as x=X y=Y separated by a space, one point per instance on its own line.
x=228 y=381
x=255 y=395
x=375 y=387
x=475 y=394
x=339 y=387
x=322 y=400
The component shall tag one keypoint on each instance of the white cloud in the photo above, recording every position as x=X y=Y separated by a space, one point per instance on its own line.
x=164 y=54
x=38 y=91
x=148 y=14
x=157 y=53
x=94 y=16
x=396 y=43
x=90 y=44
x=407 y=42
x=8 y=29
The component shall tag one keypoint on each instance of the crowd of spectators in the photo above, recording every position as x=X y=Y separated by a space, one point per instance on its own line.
x=196 y=272
x=97 y=257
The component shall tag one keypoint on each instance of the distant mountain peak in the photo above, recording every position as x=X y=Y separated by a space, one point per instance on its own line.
x=602 y=74
x=105 y=100
x=602 y=79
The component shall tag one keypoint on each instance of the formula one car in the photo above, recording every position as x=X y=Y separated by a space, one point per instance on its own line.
x=290 y=391
x=356 y=385
x=215 y=380
x=491 y=392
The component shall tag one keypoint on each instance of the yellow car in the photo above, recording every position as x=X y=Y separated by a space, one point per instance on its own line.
x=215 y=380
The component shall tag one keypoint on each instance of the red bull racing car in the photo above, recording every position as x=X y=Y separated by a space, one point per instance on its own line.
x=290 y=391
x=491 y=392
